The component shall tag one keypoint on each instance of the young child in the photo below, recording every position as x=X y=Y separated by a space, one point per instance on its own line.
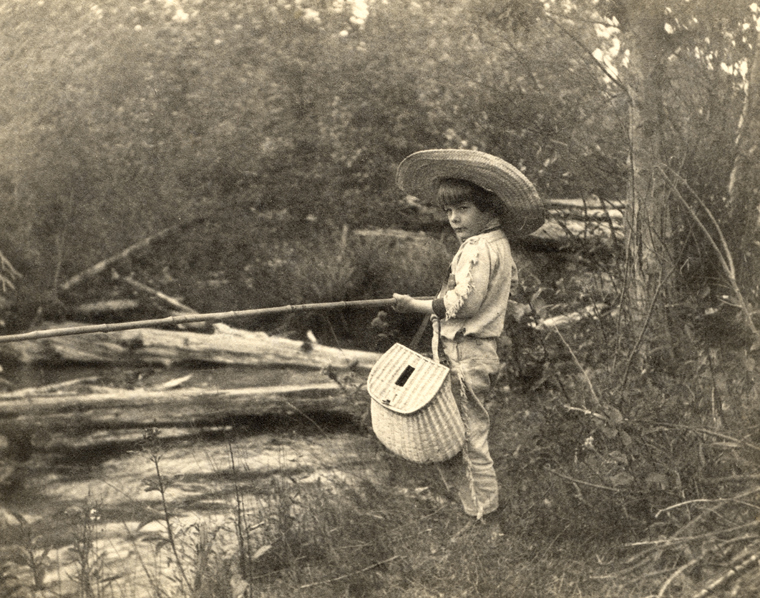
x=485 y=198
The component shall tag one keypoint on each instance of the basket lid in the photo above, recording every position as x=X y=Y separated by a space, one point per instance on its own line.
x=404 y=381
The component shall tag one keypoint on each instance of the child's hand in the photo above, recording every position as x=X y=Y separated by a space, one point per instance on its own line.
x=403 y=303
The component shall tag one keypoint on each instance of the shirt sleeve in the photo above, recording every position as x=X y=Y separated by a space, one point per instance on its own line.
x=439 y=308
x=468 y=282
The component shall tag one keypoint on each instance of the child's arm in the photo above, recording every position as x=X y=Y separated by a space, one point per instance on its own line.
x=471 y=278
x=405 y=304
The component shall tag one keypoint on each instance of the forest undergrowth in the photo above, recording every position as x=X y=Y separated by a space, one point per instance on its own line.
x=654 y=495
x=616 y=479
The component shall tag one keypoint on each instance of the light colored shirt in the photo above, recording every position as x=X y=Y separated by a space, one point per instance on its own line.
x=477 y=291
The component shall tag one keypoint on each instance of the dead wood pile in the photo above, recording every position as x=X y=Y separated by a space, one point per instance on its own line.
x=80 y=412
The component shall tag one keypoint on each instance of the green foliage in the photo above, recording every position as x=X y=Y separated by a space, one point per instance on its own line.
x=522 y=95
x=133 y=119
x=24 y=558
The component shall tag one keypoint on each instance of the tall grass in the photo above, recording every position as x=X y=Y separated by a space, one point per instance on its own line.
x=390 y=530
x=566 y=530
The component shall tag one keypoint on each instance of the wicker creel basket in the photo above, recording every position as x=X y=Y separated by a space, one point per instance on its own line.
x=414 y=413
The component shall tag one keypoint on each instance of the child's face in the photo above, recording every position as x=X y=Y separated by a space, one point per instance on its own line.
x=466 y=219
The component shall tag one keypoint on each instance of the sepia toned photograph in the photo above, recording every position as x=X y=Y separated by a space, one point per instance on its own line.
x=379 y=299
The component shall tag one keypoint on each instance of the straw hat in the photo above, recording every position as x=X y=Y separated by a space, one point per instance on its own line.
x=523 y=211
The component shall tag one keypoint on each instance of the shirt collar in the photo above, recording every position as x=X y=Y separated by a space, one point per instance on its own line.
x=493 y=226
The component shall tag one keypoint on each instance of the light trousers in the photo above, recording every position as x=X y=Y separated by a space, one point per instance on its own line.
x=474 y=365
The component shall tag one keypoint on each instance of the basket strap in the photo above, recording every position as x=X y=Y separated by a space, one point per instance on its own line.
x=437 y=341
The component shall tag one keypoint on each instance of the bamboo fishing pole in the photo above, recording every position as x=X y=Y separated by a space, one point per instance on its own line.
x=185 y=318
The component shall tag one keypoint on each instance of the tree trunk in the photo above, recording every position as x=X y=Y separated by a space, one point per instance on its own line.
x=649 y=259
x=744 y=187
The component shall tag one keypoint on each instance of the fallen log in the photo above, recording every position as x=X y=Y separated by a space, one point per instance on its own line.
x=107 y=306
x=89 y=349
x=591 y=214
x=142 y=244
x=556 y=230
x=179 y=307
x=48 y=388
x=592 y=202
x=170 y=347
x=392 y=233
x=82 y=400
x=177 y=408
x=593 y=311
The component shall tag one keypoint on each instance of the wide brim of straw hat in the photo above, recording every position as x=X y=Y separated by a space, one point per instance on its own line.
x=522 y=209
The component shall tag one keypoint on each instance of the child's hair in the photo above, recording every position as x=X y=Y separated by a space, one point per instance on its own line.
x=456 y=191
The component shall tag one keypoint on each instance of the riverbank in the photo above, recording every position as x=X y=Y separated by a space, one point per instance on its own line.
x=311 y=505
x=296 y=506
x=303 y=507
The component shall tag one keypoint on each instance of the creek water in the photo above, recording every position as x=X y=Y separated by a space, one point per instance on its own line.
x=106 y=486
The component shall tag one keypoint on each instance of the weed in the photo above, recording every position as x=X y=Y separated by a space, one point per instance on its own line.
x=24 y=559
x=87 y=553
